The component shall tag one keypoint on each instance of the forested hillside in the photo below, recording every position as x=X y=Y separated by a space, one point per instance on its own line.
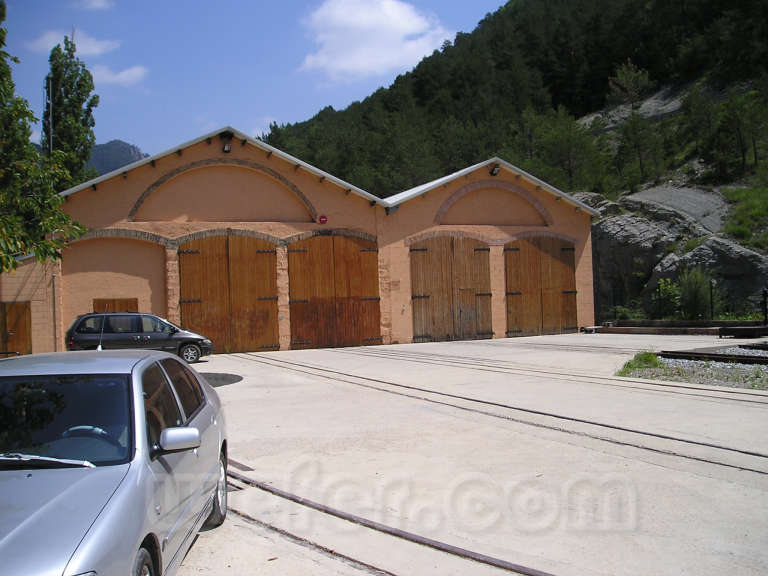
x=515 y=85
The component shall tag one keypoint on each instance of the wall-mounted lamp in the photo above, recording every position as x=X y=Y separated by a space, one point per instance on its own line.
x=494 y=170
x=323 y=219
x=226 y=137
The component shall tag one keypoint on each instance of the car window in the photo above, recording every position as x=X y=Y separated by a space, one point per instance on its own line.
x=160 y=407
x=90 y=325
x=154 y=324
x=121 y=324
x=186 y=385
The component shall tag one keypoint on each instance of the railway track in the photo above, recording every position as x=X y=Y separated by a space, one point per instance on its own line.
x=527 y=416
x=506 y=367
x=379 y=527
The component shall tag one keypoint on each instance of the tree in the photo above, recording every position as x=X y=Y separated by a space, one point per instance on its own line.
x=629 y=84
x=68 y=88
x=31 y=219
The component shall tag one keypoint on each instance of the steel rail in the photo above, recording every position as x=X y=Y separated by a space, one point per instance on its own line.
x=293 y=366
x=392 y=531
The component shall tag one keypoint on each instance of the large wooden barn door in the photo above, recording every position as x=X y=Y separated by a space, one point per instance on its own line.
x=450 y=289
x=253 y=294
x=229 y=291
x=541 y=286
x=15 y=329
x=334 y=292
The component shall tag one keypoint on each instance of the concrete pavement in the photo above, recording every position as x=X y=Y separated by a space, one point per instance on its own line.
x=526 y=450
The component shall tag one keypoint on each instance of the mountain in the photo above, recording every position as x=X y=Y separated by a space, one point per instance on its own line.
x=113 y=155
x=468 y=101
x=654 y=111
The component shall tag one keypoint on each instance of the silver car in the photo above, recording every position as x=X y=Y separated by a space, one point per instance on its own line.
x=110 y=462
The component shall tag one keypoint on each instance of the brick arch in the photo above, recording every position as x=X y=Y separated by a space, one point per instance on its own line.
x=126 y=234
x=499 y=184
x=222 y=162
x=226 y=232
x=542 y=234
x=454 y=233
x=331 y=232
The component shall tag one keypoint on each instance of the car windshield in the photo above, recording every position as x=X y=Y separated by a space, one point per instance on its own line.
x=67 y=417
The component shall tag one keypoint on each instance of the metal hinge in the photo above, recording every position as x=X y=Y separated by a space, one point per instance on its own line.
x=369 y=249
x=511 y=249
x=514 y=293
x=570 y=291
x=422 y=297
x=418 y=249
x=482 y=249
x=189 y=251
x=484 y=294
x=267 y=298
x=195 y=301
x=295 y=250
x=300 y=342
x=303 y=301
x=370 y=298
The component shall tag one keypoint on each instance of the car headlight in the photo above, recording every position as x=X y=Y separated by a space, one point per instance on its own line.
x=207 y=342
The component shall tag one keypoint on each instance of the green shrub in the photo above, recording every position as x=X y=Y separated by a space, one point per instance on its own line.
x=694 y=294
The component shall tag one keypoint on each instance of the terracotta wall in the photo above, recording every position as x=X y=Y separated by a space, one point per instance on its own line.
x=113 y=268
x=418 y=218
x=137 y=220
x=38 y=284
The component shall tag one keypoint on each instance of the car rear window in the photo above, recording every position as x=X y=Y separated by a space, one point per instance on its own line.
x=186 y=385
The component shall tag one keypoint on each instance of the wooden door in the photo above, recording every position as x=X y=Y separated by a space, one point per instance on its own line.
x=229 y=291
x=253 y=294
x=523 y=280
x=450 y=289
x=432 y=289
x=541 y=286
x=567 y=273
x=205 y=303
x=334 y=292
x=15 y=328
x=115 y=304
x=471 y=289
x=356 y=291
x=311 y=293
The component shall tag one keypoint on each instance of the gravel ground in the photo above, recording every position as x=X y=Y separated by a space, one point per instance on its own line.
x=754 y=376
x=736 y=351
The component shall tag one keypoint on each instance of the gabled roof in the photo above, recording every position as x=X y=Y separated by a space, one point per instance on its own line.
x=398 y=199
x=237 y=135
x=390 y=202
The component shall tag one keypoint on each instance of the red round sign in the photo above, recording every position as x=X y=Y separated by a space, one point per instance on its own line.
x=323 y=219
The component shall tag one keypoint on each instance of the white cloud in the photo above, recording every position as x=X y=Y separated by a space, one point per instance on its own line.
x=359 y=38
x=128 y=77
x=86 y=45
x=96 y=4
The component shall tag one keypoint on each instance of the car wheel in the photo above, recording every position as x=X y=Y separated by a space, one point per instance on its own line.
x=219 y=512
x=190 y=353
x=143 y=565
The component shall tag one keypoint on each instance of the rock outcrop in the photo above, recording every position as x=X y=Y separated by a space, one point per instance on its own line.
x=658 y=233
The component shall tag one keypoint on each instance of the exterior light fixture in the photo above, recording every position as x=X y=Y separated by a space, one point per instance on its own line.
x=323 y=219
x=226 y=137
x=494 y=170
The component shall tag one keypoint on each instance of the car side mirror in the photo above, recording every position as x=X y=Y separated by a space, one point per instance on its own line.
x=178 y=439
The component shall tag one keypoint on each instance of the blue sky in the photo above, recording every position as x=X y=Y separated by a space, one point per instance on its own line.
x=167 y=71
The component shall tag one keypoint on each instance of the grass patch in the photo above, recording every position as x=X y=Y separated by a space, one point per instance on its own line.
x=748 y=216
x=641 y=361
